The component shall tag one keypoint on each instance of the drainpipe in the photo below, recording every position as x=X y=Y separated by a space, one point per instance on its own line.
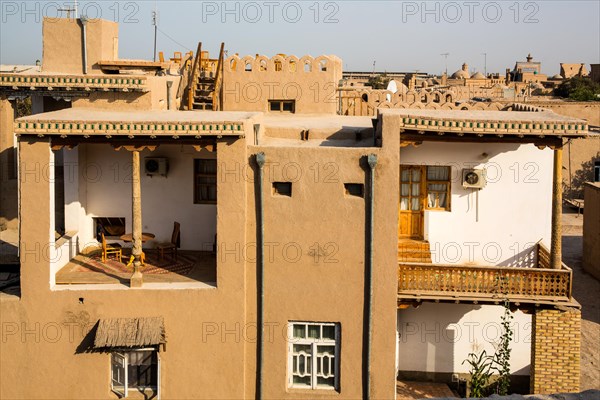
x=84 y=21
x=260 y=160
x=169 y=84
x=372 y=160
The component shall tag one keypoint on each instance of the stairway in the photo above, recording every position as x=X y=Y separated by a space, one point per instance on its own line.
x=414 y=251
x=205 y=83
x=203 y=93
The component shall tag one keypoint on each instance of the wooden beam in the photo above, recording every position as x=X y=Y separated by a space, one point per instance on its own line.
x=556 y=245
x=136 y=279
x=546 y=141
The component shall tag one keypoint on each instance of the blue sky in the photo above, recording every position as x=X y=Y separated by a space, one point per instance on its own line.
x=397 y=35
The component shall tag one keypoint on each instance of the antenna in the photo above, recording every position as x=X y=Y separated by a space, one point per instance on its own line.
x=485 y=63
x=374 y=62
x=445 y=55
x=68 y=9
x=155 y=24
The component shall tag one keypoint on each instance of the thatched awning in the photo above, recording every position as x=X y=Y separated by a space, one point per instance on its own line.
x=130 y=332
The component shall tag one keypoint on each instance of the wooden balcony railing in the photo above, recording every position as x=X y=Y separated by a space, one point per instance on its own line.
x=527 y=285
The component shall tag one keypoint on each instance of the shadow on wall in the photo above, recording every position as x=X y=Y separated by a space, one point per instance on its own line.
x=8 y=188
x=581 y=176
x=525 y=259
x=427 y=345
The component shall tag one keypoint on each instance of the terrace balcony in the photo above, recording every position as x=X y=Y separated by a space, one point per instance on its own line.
x=538 y=284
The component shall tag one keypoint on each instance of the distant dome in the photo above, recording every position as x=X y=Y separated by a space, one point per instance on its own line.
x=460 y=74
x=478 y=75
x=397 y=86
x=557 y=77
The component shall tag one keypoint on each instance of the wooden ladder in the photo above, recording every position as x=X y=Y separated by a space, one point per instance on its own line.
x=205 y=86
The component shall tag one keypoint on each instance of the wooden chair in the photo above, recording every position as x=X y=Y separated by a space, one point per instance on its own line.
x=170 y=247
x=108 y=249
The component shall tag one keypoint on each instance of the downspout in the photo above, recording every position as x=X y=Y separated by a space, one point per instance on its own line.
x=84 y=21
x=260 y=160
x=372 y=160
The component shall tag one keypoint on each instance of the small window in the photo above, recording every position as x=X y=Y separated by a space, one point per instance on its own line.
x=205 y=181
x=314 y=355
x=307 y=66
x=438 y=188
x=112 y=228
x=135 y=370
x=293 y=66
x=278 y=66
x=597 y=171
x=248 y=67
x=282 y=188
x=355 y=189
x=323 y=66
x=287 y=106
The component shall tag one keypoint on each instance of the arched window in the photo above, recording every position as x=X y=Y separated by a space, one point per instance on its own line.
x=263 y=65
x=278 y=66
x=307 y=66
x=293 y=66
x=248 y=66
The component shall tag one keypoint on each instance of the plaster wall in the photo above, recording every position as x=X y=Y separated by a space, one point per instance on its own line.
x=591 y=230
x=514 y=208
x=44 y=326
x=156 y=98
x=63 y=44
x=439 y=337
x=315 y=268
x=8 y=159
x=313 y=89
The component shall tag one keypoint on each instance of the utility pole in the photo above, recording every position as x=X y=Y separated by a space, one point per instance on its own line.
x=155 y=23
x=445 y=55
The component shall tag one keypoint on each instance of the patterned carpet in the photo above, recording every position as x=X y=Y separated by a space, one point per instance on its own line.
x=182 y=266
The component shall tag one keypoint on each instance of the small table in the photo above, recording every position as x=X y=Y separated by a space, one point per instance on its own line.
x=128 y=237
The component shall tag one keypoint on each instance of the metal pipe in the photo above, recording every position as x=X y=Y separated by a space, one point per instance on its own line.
x=372 y=160
x=260 y=160
x=84 y=21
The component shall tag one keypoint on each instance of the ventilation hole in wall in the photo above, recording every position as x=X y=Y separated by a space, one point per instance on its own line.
x=282 y=189
x=354 y=189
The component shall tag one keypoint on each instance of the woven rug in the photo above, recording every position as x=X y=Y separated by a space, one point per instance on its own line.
x=182 y=266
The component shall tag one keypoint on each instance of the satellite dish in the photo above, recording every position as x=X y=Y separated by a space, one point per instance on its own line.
x=392 y=87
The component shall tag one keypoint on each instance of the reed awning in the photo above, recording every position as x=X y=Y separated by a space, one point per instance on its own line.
x=130 y=332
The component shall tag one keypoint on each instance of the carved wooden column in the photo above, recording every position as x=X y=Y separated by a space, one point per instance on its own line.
x=556 y=244
x=136 y=279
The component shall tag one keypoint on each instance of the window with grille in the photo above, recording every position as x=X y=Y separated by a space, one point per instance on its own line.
x=205 y=181
x=314 y=355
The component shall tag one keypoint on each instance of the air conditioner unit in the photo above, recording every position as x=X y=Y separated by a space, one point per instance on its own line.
x=156 y=166
x=473 y=178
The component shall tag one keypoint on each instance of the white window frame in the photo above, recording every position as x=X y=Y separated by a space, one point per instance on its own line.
x=122 y=354
x=314 y=343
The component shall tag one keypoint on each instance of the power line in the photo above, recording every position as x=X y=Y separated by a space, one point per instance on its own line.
x=173 y=40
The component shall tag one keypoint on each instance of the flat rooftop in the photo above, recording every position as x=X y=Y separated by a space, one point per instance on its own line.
x=484 y=115
x=490 y=123
x=95 y=122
